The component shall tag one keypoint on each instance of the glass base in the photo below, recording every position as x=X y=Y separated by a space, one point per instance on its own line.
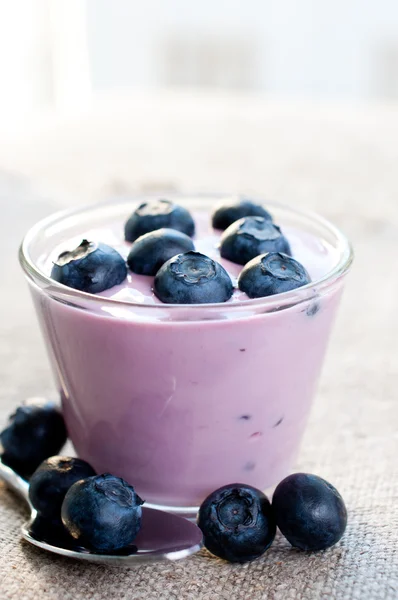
x=189 y=512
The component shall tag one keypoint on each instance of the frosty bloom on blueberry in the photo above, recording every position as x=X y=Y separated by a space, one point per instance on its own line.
x=90 y=268
x=251 y=236
x=47 y=488
x=192 y=278
x=50 y=482
x=237 y=522
x=228 y=212
x=272 y=273
x=35 y=431
x=150 y=251
x=309 y=511
x=102 y=513
x=157 y=214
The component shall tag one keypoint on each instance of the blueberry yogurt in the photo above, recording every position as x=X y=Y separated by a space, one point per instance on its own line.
x=184 y=366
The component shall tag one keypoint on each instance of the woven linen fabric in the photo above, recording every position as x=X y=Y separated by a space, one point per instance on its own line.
x=349 y=175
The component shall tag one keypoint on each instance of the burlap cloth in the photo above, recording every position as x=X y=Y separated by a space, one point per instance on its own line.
x=342 y=162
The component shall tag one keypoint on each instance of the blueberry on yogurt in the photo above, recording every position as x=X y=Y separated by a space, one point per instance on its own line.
x=157 y=214
x=192 y=278
x=90 y=267
x=230 y=211
x=309 y=511
x=102 y=513
x=251 y=236
x=237 y=522
x=270 y=274
x=150 y=251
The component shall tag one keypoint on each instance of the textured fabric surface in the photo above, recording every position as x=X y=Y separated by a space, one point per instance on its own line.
x=342 y=163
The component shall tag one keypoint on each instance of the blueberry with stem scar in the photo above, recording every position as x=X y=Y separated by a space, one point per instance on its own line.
x=91 y=268
x=270 y=274
x=237 y=522
x=102 y=513
x=192 y=278
x=249 y=237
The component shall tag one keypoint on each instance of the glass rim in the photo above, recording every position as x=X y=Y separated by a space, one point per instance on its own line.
x=285 y=299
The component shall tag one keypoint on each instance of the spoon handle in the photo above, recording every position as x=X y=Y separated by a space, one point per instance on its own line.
x=14 y=481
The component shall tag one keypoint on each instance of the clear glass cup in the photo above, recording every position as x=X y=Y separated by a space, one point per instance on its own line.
x=181 y=399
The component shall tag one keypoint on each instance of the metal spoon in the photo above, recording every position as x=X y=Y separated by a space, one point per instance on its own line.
x=163 y=536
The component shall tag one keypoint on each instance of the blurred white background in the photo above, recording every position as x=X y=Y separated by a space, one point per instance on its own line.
x=57 y=53
x=274 y=97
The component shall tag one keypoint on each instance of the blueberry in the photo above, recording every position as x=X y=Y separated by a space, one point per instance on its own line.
x=157 y=214
x=192 y=278
x=52 y=531
x=50 y=482
x=237 y=523
x=90 y=268
x=313 y=309
x=228 y=212
x=270 y=274
x=35 y=431
x=309 y=512
x=150 y=251
x=102 y=513
x=249 y=237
